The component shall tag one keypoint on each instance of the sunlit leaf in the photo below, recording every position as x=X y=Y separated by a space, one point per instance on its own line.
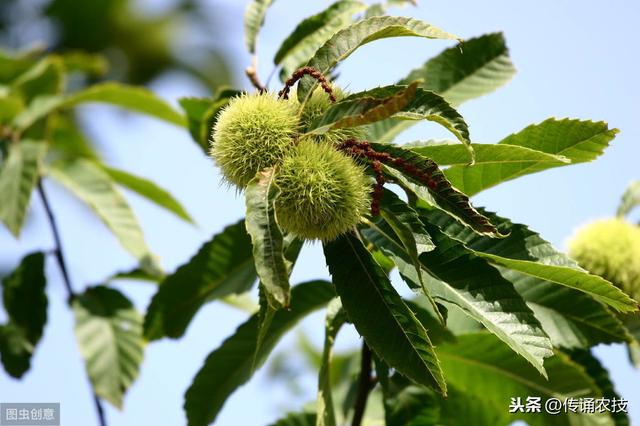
x=461 y=73
x=253 y=20
x=149 y=190
x=579 y=141
x=471 y=283
x=572 y=319
x=87 y=181
x=109 y=333
x=19 y=172
x=346 y=41
x=132 y=98
x=453 y=154
x=312 y=33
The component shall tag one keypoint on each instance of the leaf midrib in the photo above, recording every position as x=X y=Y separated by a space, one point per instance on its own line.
x=377 y=290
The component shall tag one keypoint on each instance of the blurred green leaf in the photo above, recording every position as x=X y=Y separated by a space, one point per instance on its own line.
x=230 y=366
x=389 y=327
x=92 y=185
x=25 y=302
x=19 y=173
x=253 y=20
x=44 y=78
x=630 y=199
x=202 y=114
x=410 y=405
x=149 y=190
x=297 y=419
x=222 y=266
x=336 y=317
x=346 y=41
x=601 y=376
x=68 y=141
x=133 y=98
x=109 y=334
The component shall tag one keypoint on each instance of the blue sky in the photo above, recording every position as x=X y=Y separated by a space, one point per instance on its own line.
x=575 y=59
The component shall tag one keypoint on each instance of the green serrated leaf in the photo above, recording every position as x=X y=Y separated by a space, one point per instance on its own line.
x=461 y=73
x=67 y=140
x=25 y=302
x=571 y=318
x=371 y=106
x=593 y=285
x=389 y=327
x=148 y=190
x=132 y=98
x=453 y=154
x=12 y=64
x=230 y=366
x=109 y=333
x=346 y=41
x=267 y=239
x=630 y=199
x=568 y=275
x=19 y=173
x=468 y=281
x=91 y=184
x=222 y=266
x=478 y=66
x=44 y=78
x=364 y=107
x=336 y=317
x=313 y=32
x=482 y=366
x=440 y=193
x=579 y=141
x=253 y=20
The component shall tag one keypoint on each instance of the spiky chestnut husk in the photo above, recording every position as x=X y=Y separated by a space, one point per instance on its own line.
x=317 y=104
x=252 y=133
x=323 y=194
x=610 y=248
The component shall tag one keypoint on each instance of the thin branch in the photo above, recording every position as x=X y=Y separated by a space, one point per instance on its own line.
x=62 y=264
x=252 y=74
x=365 y=384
